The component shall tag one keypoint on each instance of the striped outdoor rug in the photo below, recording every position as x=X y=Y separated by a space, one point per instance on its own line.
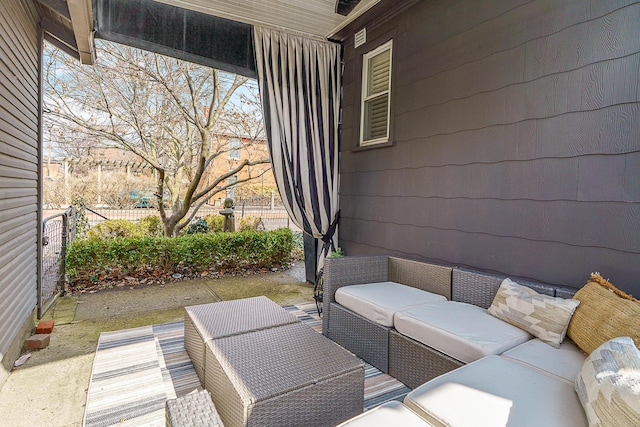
x=136 y=370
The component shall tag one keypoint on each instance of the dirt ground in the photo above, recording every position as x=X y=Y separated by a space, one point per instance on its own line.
x=50 y=388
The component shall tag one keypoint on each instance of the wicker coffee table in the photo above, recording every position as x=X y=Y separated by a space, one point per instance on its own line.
x=265 y=368
x=205 y=322
x=283 y=376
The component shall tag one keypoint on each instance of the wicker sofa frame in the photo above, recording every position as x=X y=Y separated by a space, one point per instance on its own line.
x=409 y=361
x=367 y=339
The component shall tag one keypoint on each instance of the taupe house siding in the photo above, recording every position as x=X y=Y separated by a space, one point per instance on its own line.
x=18 y=166
x=515 y=140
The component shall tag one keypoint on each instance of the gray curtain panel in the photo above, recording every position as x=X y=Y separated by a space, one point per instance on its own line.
x=300 y=86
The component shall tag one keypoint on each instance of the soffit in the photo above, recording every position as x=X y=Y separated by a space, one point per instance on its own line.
x=68 y=24
x=311 y=17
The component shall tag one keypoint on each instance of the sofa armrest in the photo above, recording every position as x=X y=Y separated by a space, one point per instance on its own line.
x=353 y=270
x=474 y=287
x=349 y=270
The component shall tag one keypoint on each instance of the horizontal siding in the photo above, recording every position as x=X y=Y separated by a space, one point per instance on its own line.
x=581 y=133
x=562 y=223
x=19 y=272
x=10 y=203
x=550 y=262
x=12 y=250
x=18 y=229
x=12 y=125
x=550 y=179
x=17 y=159
x=10 y=193
x=18 y=173
x=18 y=166
x=516 y=140
x=13 y=146
x=19 y=31
x=18 y=119
x=602 y=85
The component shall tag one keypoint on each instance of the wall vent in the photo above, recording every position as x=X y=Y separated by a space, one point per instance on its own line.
x=360 y=37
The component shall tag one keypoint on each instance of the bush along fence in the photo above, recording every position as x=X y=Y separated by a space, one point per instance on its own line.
x=96 y=258
x=269 y=218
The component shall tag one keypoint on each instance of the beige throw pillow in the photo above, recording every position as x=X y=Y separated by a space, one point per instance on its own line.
x=608 y=384
x=543 y=316
x=605 y=313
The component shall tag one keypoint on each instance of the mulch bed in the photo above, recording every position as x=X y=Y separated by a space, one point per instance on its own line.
x=158 y=277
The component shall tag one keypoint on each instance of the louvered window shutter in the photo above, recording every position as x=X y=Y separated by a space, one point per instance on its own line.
x=375 y=126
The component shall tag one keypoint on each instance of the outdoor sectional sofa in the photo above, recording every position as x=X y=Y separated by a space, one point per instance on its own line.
x=466 y=366
x=394 y=352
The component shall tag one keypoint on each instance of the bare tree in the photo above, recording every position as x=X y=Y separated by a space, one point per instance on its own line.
x=168 y=112
x=68 y=142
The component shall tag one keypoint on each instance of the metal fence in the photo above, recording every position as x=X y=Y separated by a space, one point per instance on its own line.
x=271 y=218
x=271 y=213
x=57 y=232
x=268 y=208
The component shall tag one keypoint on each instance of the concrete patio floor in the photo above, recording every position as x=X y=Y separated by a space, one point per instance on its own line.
x=51 y=387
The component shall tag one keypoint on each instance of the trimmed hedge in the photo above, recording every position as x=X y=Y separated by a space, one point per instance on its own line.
x=115 y=228
x=248 y=249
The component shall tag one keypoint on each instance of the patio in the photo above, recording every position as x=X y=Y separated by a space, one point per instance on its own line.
x=509 y=144
x=54 y=382
x=137 y=370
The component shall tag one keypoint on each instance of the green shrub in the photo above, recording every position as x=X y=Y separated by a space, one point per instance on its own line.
x=151 y=225
x=249 y=223
x=199 y=226
x=113 y=228
x=336 y=254
x=298 y=246
x=215 y=223
x=248 y=249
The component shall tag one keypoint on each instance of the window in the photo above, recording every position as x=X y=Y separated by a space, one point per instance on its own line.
x=231 y=189
x=376 y=91
x=234 y=148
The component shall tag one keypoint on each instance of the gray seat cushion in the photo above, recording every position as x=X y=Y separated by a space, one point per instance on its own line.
x=379 y=301
x=497 y=392
x=462 y=331
x=390 y=414
x=564 y=362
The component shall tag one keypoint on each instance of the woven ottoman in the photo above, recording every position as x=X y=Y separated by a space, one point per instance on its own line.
x=205 y=322
x=284 y=376
x=192 y=410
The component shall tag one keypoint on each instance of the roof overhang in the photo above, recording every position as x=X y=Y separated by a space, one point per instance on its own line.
x=315 y=18
x=68 y=25
x=82 y=20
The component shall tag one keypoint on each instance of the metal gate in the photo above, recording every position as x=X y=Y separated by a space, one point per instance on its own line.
x=57 y=232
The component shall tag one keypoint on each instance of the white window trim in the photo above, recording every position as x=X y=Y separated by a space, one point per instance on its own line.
x=365 y=69
x=234 y=149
